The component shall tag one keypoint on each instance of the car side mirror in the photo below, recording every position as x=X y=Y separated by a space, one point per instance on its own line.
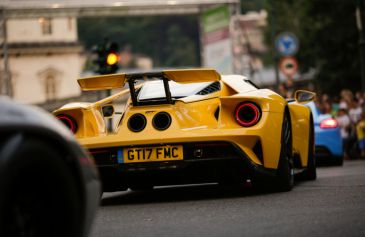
x=108 y=111
x=303 y=96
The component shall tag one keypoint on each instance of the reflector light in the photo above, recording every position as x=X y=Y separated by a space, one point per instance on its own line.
x=69 y=122
x=329 y=123
x=247 y=114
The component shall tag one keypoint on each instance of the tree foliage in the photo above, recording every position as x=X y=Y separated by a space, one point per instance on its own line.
x=326 y=30
x=252 y=5
x=328 y=39
x=171 y=41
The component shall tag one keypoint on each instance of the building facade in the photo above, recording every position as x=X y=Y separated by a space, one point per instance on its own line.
x=44 y=59
x=248 y=42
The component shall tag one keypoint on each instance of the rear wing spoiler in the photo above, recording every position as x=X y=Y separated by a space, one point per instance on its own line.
x=113 y=81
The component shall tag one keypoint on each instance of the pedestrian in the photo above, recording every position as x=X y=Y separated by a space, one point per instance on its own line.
x=326 y=107
x=345 y=125
x=358 y=96
x=290 y=88
x=335 y=105
x=360 y=132
x=355 y=111
x=283 y=90
x=363 y=101
x=346 y=98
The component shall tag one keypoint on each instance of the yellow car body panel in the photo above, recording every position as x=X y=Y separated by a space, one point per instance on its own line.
x=300 y=120
x=195 y=132
x=89 y=121
x=113 y=81
x=105 y=82
x=192 y=75
x=197 y=118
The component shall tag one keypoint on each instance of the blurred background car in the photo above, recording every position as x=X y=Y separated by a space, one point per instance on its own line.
x=48 y=184
x=328 y=140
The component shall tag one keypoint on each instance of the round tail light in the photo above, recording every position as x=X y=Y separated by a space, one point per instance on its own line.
x=161 y=121
x=247 y=114
x=137 y=122
x=68 y=121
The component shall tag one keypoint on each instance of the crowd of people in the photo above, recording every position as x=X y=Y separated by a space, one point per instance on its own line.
x=349 y=111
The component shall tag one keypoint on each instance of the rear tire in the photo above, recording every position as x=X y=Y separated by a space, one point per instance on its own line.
x=310 y=173
x=337 y=160
x=285 y=171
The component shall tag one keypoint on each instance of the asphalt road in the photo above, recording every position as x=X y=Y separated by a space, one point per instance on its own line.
x=333 y=205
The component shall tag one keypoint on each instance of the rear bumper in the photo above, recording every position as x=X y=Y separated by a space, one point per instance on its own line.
x=223 y=169
x=244 y=138
x=328 y=142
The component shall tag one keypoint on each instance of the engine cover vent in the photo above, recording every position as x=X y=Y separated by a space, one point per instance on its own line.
x=137 y=122
x=161 y=121
x=214 y=87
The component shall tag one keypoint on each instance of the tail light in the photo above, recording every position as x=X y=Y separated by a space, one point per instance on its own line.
x=247 y=114
x=329 y=123
x=68 y=121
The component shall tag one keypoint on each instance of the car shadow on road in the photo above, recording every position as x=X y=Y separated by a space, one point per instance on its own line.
x=179 y=194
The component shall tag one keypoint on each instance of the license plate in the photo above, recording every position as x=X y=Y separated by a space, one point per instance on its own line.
x=150 y=154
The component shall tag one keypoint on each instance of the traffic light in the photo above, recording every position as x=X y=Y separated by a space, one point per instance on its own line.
x=106 y=58
x=112 y=57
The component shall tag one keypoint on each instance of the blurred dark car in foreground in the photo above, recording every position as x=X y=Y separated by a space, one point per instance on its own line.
x=48 y=185
x=328 y=141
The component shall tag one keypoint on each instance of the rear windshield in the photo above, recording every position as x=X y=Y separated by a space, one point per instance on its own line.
x=155 y=89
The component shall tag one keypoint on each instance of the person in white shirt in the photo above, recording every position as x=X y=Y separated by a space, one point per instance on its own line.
x=355 y=111
x=345 y=125
x=343 y=122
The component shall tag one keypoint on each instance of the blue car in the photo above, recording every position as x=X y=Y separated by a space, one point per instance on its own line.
x=328 y=141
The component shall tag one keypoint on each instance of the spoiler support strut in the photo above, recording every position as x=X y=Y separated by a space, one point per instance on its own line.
x=167 y=90
x=132 y=90
x=133 y=77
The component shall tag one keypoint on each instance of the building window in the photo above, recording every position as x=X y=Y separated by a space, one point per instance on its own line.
x=46 y=25
x=50 y=87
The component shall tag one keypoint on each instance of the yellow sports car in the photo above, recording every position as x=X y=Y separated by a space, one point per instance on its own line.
x=193 y=126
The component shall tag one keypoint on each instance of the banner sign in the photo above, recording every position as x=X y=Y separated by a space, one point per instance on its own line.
x=217 y=45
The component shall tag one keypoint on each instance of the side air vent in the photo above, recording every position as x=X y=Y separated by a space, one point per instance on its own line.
x=137 y=122
x=257 y=149
x=216 y=86
x=161 y=121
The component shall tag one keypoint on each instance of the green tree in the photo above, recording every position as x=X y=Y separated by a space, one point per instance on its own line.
x=335 y=43
x=168 y=40
x=328 y=39
x=252 y=5
x=180 y=48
